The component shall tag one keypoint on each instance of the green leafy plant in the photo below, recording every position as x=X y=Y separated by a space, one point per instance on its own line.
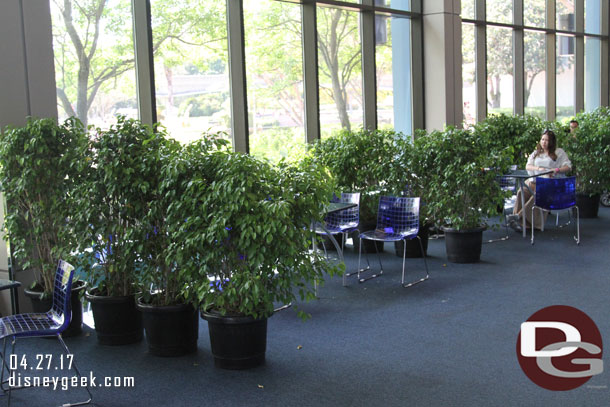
x=112 y=202
x=589 y=151
x=362 y=161
x=517 y=134
x=240 y=228
x=38 y=174
x=450 y=167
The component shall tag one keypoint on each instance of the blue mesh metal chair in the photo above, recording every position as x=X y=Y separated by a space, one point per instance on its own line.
x=341 y=222
x=555 y=194
x=397 y=219
x=508 y=185
x=51 y=323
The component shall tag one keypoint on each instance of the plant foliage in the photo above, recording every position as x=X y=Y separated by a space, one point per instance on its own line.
x=38 y=174
x=240 y=227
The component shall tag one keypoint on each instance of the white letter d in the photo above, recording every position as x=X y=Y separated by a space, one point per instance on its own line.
x=528 y=338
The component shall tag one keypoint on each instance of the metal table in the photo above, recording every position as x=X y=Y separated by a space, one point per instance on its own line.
x=521 y=176
x=11 y=285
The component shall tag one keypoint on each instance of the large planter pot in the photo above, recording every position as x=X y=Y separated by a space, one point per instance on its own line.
x=117 y=320
x=463 y=246
x=39 y=304
x=588 y=206
x=171 y=330
x=413 y=249
x=238 y=342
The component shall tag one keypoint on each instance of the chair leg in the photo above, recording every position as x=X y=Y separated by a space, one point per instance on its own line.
x=359 y=270
x=368 y=267
x=533 y=223
x=577 y=225
x=5 y=366
x=10 y=388
x=404 y=255
x=67 y=352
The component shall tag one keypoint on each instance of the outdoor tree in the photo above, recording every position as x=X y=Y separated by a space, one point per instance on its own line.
x=339 y=51
x=84 y=62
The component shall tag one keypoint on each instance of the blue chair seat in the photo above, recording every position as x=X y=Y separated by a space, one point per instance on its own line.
x=30 y=325
x=388 y=235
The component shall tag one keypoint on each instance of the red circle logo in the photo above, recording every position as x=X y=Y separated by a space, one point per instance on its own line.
x=560 y=348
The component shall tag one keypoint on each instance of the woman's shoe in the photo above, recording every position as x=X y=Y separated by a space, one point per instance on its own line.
x=515 y=225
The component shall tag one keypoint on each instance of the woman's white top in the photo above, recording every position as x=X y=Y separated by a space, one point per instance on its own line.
x=543 y=160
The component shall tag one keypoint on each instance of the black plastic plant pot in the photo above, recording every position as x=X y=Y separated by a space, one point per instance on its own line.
x=75 y=327
x=171 y=330
x=463 y=246
x=588 y=206
x=117 y=321
x=238 y=342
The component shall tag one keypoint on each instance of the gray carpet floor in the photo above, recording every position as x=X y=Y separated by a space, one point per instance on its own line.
x=450 y=341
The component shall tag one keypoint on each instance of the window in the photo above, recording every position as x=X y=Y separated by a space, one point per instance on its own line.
x=469 y=91
x=534 y=13
x=339 y=70
x=499 y=70
x=107 y=87
x=499 y=11
x=191 y=67
x=535 y=73
x=274 y=66
x=566 y=81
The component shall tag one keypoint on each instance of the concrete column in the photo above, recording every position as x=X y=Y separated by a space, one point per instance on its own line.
x=27 y=70
x=442 y=63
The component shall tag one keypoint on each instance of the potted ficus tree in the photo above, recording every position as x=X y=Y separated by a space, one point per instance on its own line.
x=168 y=303
x=38 y=174
x=589 y=152
x=240 y=229
x=361 y=161
x=461 y=193
x=404 y=182
x=120 y=174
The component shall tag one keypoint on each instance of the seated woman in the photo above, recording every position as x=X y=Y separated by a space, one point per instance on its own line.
x=546 y=156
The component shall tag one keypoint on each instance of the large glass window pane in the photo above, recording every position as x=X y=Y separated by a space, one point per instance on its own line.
x=535 y=73
x=565 y=77
x=565 y=15
x=339 y=70
x=274 y=66
x=94 y=60
x=534 y=13
x=499 y=11
x=593 y=16
x=469 y=91
x=468 y=9
x=191 y=66
x=499 y=70
x=393 y=63
x=592 y=73
x=395 y=4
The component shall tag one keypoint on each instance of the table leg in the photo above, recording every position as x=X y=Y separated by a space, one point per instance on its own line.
x=522 y=182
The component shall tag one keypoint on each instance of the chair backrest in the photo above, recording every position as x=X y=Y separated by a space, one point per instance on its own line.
x=508 y=183
x=398 y=215
x=555 y=193
x=346 y=217
x=61 y=310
